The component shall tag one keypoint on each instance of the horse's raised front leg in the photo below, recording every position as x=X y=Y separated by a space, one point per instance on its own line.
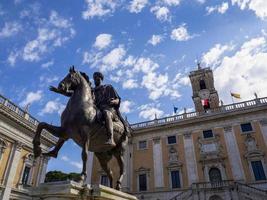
x=84 y=158
x=54 y=130
x=103 y=159
x=53 y=153
x=119 y=156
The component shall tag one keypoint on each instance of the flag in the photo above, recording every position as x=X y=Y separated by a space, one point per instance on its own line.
x=236 y=95
x=175 y=109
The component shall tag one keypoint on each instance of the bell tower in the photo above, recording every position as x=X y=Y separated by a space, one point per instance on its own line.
x=205 y=96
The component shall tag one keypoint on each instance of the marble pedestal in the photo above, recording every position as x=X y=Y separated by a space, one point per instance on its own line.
x=70 y=190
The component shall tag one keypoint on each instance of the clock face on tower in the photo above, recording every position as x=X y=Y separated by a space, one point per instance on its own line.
x=204 y=94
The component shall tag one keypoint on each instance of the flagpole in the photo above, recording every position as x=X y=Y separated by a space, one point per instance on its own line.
x=232 y=97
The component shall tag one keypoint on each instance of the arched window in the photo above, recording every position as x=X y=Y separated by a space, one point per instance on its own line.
x=215 y=175
x=202 y=84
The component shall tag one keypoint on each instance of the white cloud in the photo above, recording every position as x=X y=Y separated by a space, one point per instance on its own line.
x=130 y=84
x=146 y=65
x=47 y=64
x=156 y=84
x=258 y=6
x=245 y=72
x=219 y=8
x=99 y=8
x=53 y=107
x=162 y=13
x=46 y=80
x=12 y=57
x=74 y=163
x=10 y=29
x=180 y=33
x=137 y=6
x=53 y=33
x=86 y=58
x=58 y=21
x=171 y=2
x=102 y=41
x=212 y=57
x=31 y=98
x=126 y=106
x=155 y=39
x=201 y=1
x=149 y=111
x=113 y=59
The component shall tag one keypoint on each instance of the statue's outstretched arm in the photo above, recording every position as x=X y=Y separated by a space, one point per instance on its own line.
x=65 y=93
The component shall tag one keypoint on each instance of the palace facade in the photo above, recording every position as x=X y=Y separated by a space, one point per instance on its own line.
x=18 y=170
x=217 y=152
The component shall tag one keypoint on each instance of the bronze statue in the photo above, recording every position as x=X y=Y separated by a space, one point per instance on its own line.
x=80 y=122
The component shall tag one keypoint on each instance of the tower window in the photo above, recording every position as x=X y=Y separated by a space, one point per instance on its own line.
x=258 y=170
x=202 y=84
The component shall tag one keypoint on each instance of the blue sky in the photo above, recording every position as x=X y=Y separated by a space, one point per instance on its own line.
x=144 y=48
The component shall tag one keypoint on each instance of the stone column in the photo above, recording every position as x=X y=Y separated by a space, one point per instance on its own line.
x=158 y=163
x=42 y=172
x=263 y=124
x=89 y=165
x=191 y=164
x=126 y=181
x=233 y=154
x=11 y=170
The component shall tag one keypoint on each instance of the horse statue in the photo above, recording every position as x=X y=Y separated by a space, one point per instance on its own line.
x=79 y=122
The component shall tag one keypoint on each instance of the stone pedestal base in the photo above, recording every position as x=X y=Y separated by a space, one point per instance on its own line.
x=70 y=190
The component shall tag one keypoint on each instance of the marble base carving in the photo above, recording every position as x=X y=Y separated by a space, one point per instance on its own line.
x=70 y=190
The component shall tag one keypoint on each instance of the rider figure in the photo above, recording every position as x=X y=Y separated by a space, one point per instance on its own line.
x=107 y=101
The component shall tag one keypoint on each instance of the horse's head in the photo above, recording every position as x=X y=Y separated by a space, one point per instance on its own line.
x=73 y=80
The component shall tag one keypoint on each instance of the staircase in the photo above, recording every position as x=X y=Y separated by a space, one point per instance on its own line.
x=223 y=190
x=248 y=192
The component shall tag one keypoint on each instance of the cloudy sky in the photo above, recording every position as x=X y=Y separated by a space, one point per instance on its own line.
x=145 y=48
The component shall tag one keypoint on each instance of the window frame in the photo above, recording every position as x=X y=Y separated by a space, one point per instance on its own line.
x=246 y=132
x=167 y=139
x=142 y=148
x=108 y=181
x=179 y=176
x=207 y=138
x=263 y=170
x=138 y=184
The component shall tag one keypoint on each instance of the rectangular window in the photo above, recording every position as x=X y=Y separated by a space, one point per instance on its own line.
x=175 y=177
x=26 y=175
x=207 y=134
x=104 y=180
x=142 y=144
x=258 y=170
x=142 y=182
x=172 y=139
x=247 y=127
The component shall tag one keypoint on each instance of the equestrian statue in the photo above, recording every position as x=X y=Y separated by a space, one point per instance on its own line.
x=92 y=119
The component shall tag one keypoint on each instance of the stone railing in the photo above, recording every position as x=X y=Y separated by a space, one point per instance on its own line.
x=17 y=110
x=192 y=115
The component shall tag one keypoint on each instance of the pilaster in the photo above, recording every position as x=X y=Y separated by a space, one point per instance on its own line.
x=158 y=163
x=12 y=168
x=191 y=164
x=233 y=154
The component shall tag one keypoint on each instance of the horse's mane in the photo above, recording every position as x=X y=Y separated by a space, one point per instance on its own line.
x=86 y=77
